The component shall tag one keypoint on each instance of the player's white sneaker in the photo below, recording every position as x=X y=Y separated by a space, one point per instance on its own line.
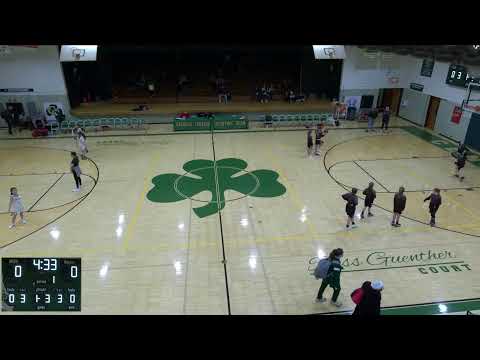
x=24 y=221
x=76 y=190
x=11 y=226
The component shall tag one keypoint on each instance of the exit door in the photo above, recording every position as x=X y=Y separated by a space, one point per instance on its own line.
x=432 y=112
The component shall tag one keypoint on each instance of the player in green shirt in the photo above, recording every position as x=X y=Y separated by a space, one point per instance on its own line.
x=332 y=278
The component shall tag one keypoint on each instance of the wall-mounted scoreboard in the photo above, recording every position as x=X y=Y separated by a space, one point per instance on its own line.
x=41 y=284
x=458 y=75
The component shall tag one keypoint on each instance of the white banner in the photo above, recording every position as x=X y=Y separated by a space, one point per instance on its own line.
x=52 y=110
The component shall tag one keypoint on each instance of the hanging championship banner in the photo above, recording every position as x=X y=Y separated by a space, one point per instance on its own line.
x=457 y=114
x=53 y=110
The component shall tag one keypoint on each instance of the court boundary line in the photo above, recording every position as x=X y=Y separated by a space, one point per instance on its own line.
x=366 y=172
x=45 y=193
x=68 y=211
x=469 y=188
x=260 y=130
x=346 y=312
x=224 y=261
x=378 y=206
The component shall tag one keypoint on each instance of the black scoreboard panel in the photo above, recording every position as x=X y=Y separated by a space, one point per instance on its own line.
x=41 y=284
x=458 y=75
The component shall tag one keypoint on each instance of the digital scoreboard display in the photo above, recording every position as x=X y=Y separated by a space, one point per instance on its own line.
x=41 y=284
x=458 y=76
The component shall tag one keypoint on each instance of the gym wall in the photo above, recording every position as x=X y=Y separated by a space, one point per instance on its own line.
x=362 y=75
x=414 y=106
x=38 y=69
x=444 y=124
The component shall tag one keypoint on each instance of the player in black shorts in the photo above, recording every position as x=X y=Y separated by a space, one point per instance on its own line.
x=309 y=142
x=461 y=160
x=435 y=202
x=399 y=203
x=319 y=134
x=352 y=202
x=370 y=196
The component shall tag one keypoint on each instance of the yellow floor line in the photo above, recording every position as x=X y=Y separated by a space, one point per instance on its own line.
x=139 y=204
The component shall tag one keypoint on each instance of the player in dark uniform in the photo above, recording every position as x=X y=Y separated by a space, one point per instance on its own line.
x=461 y=160
x=309 y=142
x=370 y=196
x=435 y=202
x=399 y=203
x=352 y=202
x=319 y=134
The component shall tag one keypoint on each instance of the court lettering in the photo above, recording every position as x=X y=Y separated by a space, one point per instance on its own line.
x=443 y=269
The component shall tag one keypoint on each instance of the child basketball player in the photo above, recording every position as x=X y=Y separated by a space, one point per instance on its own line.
x=15 y=207
x=352 y=202
x=309 y=142
x=370 y=196
x=461 y=160
x=435 y=202
x=319 y=134
x=75 y=169
x=82 y=144
x=399 y=203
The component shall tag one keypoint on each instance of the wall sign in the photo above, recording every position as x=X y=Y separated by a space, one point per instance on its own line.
x=427 y=67
x=457 y=114
x=418 y=87
x=16 y=90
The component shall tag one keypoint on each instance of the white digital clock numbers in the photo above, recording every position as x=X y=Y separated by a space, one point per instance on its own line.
x=45 y=264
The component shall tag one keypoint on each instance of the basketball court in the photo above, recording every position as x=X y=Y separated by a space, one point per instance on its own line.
x=234 y=222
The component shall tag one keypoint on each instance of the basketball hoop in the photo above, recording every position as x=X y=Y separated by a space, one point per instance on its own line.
x=330 y=52
x=78 y=53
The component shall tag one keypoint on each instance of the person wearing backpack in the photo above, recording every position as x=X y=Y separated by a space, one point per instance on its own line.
x=352 y=202
x=369 y=299
x=329 y=271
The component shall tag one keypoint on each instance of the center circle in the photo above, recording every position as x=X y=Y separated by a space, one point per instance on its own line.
x=177 y=181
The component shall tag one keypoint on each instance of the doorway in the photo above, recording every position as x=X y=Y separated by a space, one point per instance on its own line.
x=390 y=98
x=432 y=112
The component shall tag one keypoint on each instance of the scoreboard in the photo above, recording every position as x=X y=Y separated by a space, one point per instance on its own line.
x=41 y=284
x=458 y=75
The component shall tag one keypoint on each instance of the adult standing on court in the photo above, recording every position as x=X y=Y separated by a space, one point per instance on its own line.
x=399 y=203
x=369 y=304
x=372 y=115
x=332 y=278
x=385 y=118
x=435 y=202
x=76 y=171
x=370 y=196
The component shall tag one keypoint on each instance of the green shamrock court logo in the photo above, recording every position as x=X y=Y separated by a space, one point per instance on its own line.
x=216 y=178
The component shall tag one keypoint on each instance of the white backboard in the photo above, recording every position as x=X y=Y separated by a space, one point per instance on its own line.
x=78 y=53
x=329 y=52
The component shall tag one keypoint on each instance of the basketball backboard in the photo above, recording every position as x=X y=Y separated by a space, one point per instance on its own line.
x=78 y=53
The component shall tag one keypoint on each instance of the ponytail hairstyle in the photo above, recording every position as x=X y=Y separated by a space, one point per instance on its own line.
x=335 y=254
x=11 y=190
